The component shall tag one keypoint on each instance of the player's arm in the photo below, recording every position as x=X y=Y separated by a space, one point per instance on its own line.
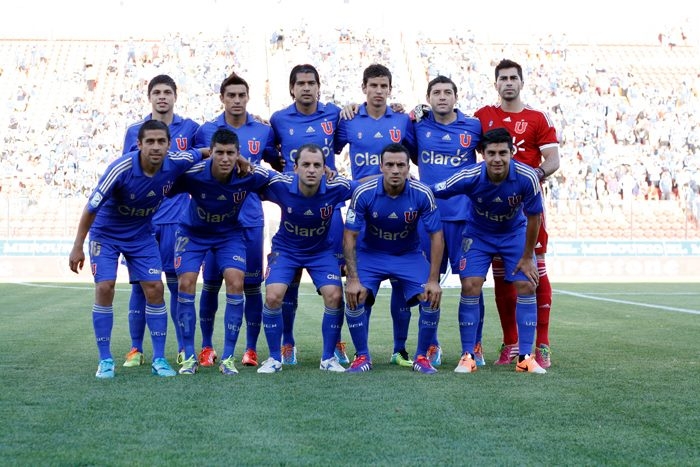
x=550 y=162
x=433 y=291
x=355 y=293
x=76 y=259
x=527 y=264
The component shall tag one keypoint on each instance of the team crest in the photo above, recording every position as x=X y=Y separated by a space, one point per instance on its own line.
x=520 y=127
x=462 y=264
x=410 y=216
x=94 y=269
x=326 y=212
x=327 y=127
x=177 y=261
x=239 y=197
x=465 y=140
x=253 y=146
x=181 y=143
x=515 y=200
x=395 y=135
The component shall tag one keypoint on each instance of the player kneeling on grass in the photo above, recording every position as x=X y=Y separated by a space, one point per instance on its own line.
x=504 y=219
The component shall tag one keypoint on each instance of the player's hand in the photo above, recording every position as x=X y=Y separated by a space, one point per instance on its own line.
x=418 y=112
x=330 y=173
x=244 y=167
x=259 y=119
x=432 y=294
x=349 y=111
x=355 y=293
x=76 y=260
x=397 y=107
x=528 y=267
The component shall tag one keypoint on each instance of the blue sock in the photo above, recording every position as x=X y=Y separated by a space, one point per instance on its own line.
x=526 y=317
x=289 y=311
x=427 y=325
x=480 y=325
x=186 y=317
x=253 y=315
x=368 y=313
x=171 y=281
x=208 y=303
x=157 y=321
x=357 y=325
x=272 y=323
x=233 y=319
x=330 y=330
x=102 y=322
x=137 y=317
x=468 y=317
x=400 y=316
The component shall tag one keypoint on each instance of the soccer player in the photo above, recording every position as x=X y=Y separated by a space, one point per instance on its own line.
x=118 y=218
x=535 y=139
x=162 y=94
x=306 y=120
x=504 y=220
x=257 y=143
x=446 y=142
x=384 y=214
x=373 y=127
x=307 y=200
x=218 y=191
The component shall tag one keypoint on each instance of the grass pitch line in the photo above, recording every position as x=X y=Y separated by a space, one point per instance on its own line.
x=627 y=302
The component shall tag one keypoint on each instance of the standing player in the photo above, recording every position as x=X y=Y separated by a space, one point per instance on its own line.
x=446 y=142
x=256 y=143
x=504 y=220
x=384 y=214
x=218 y=191
x=535 y=139
x=373 y=127
x=118 y=217
x=162 y=94
x=307 y=200
x=306 y=121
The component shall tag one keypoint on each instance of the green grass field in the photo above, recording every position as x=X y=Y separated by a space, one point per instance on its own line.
x=623 y=390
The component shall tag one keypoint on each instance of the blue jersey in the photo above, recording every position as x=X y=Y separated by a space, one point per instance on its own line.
x=305 y=220
x=182 y=131
x=390 y=223
x=293 y=129
x=126 y=199
x=215 y=206
x=367 y=137
x=257 y=142
x=443 y=150
x=495 y=208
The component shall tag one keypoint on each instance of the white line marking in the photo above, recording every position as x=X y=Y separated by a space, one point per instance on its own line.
x=626 y=302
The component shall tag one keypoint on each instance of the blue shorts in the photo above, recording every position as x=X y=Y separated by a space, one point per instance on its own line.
x=228 y=251
x=165 y=236
x=411 y=269
x=335 y=235
x=142 y=259
x=480 y=249
x=253 y=240
x=453 y=232
x=282 y=267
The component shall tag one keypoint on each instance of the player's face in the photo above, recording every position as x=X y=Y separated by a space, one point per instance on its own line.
x=509 y=84
x=235 y=99
x=162 y=98
x=497 y=157
x=377 y=91
x=306 y=89
x=395 y=170
x=154 y=146
x=310 y=168
x=224 y=157
x=442 y=98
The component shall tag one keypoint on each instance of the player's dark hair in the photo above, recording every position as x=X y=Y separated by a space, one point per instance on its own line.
x=162 y=79
x=505 y=63
x=153 y=125
x=224 y=136
x=394 y=148
x=496 y=136
x=233 y=79
x=375 y=71
x=304 y=68
x=310 y=147
x=440 y=79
